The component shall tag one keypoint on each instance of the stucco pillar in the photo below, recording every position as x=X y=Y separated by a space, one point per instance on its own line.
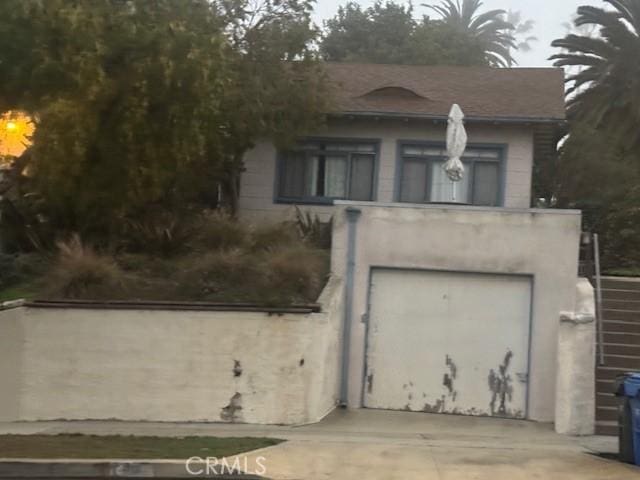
x=575 y=382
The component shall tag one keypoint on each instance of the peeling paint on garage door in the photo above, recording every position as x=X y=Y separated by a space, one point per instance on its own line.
x=448 y=342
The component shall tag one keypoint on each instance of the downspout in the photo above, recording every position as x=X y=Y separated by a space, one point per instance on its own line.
x=352 y=220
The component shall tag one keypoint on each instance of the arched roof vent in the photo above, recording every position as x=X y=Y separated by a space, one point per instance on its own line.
x=394 y=92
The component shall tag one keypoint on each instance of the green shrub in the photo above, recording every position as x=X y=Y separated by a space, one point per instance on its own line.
x=620 y=232
x=313 y=230
x=20 y=268
x=79 y=272
x=8 y=273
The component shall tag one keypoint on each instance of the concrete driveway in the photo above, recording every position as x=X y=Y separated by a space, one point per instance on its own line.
x=369 y=444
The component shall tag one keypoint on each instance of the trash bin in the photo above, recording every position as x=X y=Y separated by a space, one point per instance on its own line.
x=628 y=391
x=632 y=390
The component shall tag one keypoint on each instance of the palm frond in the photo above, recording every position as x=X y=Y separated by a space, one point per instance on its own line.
x=588 y=15
x=469 y=9
x=629 y=10
x=583 y=44
x=494 y=17
x=491 y=28
x=571 y=59
x=605 y=92
x=497 y=60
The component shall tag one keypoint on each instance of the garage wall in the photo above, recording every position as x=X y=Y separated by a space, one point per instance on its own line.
x=258 y=182
x=541 y=243
x=58 y=363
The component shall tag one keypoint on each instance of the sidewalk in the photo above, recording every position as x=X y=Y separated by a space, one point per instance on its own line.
x=386 y=445
x=361 y=426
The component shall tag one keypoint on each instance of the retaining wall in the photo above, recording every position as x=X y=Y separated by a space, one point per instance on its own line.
x=170 y=365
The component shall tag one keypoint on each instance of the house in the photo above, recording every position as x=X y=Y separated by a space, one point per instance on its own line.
x=385 y=140
x=452 y=301
x=468 y=305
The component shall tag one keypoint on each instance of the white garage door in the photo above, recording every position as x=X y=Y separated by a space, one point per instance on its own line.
x=442 y=342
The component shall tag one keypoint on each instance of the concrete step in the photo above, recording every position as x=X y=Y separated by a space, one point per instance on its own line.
x=615 y=326
x=616 y=294
x=607 y=414
x=620 y=349
x=609 y=429
x=629 y=305
x=622 y=338
x=623 y=315
x=606 y=399
x=604 y=385
x=621 y=283
x=626 y=362
x=608 y=374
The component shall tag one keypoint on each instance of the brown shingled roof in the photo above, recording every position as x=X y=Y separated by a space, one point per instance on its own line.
x=483 y=93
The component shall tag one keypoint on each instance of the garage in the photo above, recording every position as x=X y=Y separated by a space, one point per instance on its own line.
x=448 y=342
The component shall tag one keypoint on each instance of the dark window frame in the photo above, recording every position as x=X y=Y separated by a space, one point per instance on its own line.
x=501 y=149
x=323 y=200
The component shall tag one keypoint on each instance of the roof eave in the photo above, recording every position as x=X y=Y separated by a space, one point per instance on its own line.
x=442 y=118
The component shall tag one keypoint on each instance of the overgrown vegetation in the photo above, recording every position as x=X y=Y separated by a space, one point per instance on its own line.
x=461 y=33
x=599 y=166
x=213 y=258
x=143 y=113
x=144 y=107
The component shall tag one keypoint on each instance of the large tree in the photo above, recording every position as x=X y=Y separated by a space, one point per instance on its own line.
x=598 y=169
x=127 y=99
x=381 y=33
x=605 y=90
x=151 y=104
x=491 y=29
x=387 y=32
x=598 y=175
x=279 y=88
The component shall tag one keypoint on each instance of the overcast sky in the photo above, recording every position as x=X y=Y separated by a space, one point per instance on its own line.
x=549 y=15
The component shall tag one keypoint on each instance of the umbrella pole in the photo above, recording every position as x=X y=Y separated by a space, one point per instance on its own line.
x=455 y=185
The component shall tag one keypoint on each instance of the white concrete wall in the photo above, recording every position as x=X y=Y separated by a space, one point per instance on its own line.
x=576 y=377
x=169 y=365
x=258 y=185
x=540 y=243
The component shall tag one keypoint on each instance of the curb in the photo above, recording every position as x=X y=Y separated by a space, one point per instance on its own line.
x=10 y=304
x=108 y=469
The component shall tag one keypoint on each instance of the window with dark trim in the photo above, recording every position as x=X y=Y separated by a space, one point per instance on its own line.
x=323 y=171
x=423 y=179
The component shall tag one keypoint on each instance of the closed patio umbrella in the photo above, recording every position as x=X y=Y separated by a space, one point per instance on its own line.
x=456 y=145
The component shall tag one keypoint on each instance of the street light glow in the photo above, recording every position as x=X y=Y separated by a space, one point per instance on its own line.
x=16 y=130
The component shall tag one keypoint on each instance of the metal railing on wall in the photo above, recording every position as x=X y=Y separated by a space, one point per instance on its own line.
x=590 y=269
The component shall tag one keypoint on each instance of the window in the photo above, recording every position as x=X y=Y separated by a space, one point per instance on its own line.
x=320 y=172
x=423 y=179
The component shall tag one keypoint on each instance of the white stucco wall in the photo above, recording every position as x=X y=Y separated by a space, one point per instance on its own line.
x=258 y=184
x=576 y=377
x=541 y=243
x=170 y=365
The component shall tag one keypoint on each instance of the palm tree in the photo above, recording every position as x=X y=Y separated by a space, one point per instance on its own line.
x=605 y=90
x=521 y=31
x=491 y=28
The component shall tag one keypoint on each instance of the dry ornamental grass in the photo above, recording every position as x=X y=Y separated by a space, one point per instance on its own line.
x=222 y=261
